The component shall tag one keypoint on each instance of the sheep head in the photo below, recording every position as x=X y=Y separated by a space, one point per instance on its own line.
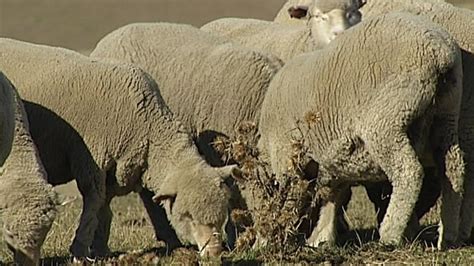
x=329 y=18
x=196 y=201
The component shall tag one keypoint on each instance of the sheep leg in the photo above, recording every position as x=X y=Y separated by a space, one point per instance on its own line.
x=93 y=198
x=450 y=208
x=467 y=208
x=100 y=247
x=91 y=184
x=400 y=163
x=325 y=231
x=467 y=211
x=163 y=229
x=450 y=159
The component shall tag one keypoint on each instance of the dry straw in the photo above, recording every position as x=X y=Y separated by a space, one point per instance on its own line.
x=281 y=206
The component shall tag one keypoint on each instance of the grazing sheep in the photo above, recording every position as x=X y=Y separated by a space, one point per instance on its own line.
x=327 y=19
x=459 y=23
x=409 y=78
x=27 y=201
x=209 y=83
x=107 y=126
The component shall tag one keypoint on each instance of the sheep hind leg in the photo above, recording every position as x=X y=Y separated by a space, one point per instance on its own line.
x=400 y=163
x=451 y=201
x=467 y=213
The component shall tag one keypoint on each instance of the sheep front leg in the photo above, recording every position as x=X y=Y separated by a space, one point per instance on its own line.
x=159 y=220
x=93 y=196
x=400 y=163
x=100 y=247
x=325 y=231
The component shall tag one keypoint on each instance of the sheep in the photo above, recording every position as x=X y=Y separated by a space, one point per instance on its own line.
x=409 y=78
x=327 y=19
x=295 y=12
x=106 y=125
x=211 y=84
x=27 y=202
x=458 y=22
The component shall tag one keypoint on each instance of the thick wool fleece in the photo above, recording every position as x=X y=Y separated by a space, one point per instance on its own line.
x=27 y=201
x=110 y=121
x=283 y=41
x=211 y=84
x=406 y=75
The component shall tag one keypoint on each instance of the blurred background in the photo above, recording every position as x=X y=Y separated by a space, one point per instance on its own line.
x=79 y=24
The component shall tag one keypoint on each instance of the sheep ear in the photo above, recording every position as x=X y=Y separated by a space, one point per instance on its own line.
x=298 y=11
x=232 y=171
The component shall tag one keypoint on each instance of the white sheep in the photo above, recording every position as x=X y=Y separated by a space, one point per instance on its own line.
x=410 y=76
x=106 y=125
x=296 y=11
x=212 y=85
x=326 y=20
x=27 y=201
x=459 y=23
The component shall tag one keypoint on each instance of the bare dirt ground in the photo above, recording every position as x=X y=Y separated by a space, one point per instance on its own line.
x=78 y=25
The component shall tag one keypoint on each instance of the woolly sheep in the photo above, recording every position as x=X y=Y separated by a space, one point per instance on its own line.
x=404 y=84
x=295 y=12
x=210 y=84
x=27 y=201
x=132 y=140
x=459 y=23
x=327 y=20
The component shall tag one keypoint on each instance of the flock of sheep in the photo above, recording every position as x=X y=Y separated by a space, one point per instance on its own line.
x=392 y=84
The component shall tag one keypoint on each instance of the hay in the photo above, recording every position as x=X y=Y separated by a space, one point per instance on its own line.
x=280 y=205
